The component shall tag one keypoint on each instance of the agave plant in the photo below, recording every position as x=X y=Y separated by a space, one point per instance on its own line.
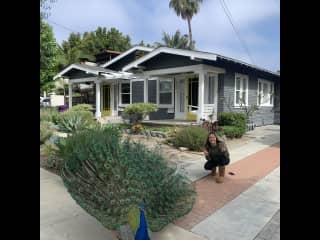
x=107 y=178
x=74 y=121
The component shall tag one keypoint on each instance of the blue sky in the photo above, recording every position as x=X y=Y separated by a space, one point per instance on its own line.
x=258 y=22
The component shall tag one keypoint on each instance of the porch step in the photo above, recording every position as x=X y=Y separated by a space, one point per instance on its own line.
x=110 y=119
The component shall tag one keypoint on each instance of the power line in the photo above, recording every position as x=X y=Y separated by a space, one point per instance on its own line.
x=59 y=25
x=228 y=13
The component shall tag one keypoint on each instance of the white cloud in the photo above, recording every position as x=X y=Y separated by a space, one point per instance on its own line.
x=146 y=20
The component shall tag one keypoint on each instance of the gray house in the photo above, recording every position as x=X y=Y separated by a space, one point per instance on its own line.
x=185 y=84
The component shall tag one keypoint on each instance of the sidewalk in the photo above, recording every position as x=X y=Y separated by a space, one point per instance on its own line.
x=243 y=207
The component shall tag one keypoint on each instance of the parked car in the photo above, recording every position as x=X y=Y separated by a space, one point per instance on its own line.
x=45 y=102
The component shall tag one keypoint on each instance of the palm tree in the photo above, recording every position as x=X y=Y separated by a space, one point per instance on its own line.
x=175 y=41
x=186 y=9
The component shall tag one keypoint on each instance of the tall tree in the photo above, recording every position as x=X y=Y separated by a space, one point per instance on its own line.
x=186 y=9
x=175 y=41
x=48 y=57
x=91 y=43
x=45 y=6
x=48 y=49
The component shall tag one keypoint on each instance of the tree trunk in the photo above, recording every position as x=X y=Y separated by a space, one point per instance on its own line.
x=190 y=33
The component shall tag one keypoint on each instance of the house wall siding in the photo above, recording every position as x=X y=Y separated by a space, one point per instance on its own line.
x=168 y=61
x=162 y=113
x=264 y=116
x=137 y=91
x=220 y=92
x=277 y=103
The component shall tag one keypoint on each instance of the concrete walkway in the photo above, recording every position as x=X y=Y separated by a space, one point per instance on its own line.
x=249 y=215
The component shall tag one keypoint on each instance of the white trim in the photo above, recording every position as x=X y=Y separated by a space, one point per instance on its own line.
x=137 y=80
x=145 y=95
x=269 y=83
x=192 y=68
x=76 y=67
x=81 y=80
x=147 y=49
x=249 y=65
x=200 y=96
x=241 y=89
x=70 y=94
x=172 y=92
x=181 y=52
x=108 y=74
x=98 y=100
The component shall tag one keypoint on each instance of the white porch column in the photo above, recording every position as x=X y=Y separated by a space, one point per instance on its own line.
x=70 y=95
x=98 y=108
x=200 y=96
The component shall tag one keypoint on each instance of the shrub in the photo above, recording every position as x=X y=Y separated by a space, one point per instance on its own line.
x=45 y=131
x=192 y=137
x=140 y=110
x=73 y=121
x=49 y=114
x=82 y=107
x=232 y=131
x=53 y=161
x=107 y=178
x=233 y=119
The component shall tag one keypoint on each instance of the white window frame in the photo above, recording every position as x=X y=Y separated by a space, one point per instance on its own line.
x=242 y=77
x=158 y=93
x=270 y=91
x=120 y=93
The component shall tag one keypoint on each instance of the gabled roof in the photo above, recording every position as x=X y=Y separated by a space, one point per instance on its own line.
x=146 y=49
x=193 y=55
x=182 y=52
x=249 y=65
x=107 y=73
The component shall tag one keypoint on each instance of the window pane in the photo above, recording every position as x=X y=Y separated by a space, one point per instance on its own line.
x=265 y=93
x=237 y=97
x=165 y=85
x=165 y=98
x=244 y=84
x=125 y=98
x=259 y=87
x=238 y=83
x=125 y=88
x=244 y=97
x=271 y=94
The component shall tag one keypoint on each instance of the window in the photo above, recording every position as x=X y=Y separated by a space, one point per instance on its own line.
x=125 y=93
x=241 y=90
x=165 y=92
x=209 y=89
x=265 y=93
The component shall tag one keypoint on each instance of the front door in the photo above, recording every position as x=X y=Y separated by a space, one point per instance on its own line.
x=193 y=98
x=186 y=95
x=180 y=106
x=106 y=100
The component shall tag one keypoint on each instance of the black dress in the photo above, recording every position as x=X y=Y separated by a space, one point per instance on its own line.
x=216 y=158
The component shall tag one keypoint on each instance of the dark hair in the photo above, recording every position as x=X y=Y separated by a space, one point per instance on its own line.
x=208 y=144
